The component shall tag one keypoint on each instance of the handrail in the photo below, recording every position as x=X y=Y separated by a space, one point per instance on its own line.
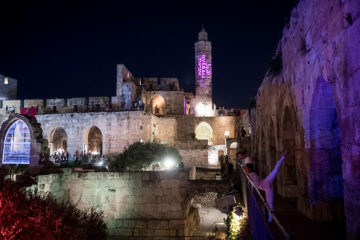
x=277 y=222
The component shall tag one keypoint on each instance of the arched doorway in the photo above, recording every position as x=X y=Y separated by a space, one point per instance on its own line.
x=93 y=143
x=17 y=144
x=158 y=105
x=325 y=153
x=204 y=132
x=58 y=140
x=289 y=175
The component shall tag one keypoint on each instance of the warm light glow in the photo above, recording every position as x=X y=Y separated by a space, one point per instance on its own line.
x=6 y=80
x=203 y=109
x=204 y=132
x=169 y=163
x=95 y=153
x=227 y=134
x=158 y=105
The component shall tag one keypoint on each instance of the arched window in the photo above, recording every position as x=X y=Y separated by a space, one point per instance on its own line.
x=158 y=105
x=234 y=145
x=204 y=132
x=93 y=141
x=17 y=144
x=58 y=140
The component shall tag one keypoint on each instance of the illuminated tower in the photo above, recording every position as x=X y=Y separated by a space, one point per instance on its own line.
x=203 y=76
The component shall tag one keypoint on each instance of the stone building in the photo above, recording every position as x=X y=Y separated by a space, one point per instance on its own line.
x=144 y=109
x=8 y=88
x=308 y=103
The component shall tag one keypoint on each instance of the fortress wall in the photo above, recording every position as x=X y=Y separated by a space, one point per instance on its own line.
x=174 y=101
x=312 y=107
x=119 y=129
x=134 y=203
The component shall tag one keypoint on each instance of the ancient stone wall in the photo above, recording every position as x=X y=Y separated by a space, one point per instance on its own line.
x=310 y=106
x=174 y=101
x=119 y=129
x=8 y=88
x=134 y=203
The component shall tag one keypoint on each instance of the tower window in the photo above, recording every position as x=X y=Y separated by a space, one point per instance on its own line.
x=6 y=80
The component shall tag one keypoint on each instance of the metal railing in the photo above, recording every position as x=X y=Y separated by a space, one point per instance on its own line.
x=258 y=215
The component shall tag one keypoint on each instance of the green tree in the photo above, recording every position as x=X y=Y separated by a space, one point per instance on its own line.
x=140 y=156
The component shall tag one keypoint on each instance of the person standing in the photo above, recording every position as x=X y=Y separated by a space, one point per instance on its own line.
x=266 y=184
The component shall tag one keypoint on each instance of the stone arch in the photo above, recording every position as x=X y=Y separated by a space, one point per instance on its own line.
x=32 y=136
x=288 y=136
x=326 y=179
x=58 y=140
x=204 y=132
x=158 y=106
x=93 y=141
x=234 y=145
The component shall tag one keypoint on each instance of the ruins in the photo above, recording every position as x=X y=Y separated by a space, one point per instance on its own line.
x=308 y=103
x=144 y=109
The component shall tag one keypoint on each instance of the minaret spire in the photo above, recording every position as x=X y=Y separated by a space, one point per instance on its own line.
x=203 y=75
x=203 y=36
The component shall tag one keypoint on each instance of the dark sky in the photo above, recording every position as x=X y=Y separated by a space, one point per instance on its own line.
x=71 y=48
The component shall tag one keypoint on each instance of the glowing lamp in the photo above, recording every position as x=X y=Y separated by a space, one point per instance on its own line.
x=169 y=163
x=227 y=134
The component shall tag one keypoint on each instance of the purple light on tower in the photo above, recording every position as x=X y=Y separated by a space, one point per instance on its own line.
x=204 y=68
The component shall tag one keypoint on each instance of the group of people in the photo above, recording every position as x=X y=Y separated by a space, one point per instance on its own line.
x=60 y=157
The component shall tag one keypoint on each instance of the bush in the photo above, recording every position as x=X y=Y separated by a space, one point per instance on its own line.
x=140 y=156
x=27 y=215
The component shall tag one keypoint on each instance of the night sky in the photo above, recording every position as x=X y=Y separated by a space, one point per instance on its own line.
x=68 y=49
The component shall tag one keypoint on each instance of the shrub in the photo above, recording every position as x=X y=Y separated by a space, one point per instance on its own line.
x=140 y=156
x=27 y=215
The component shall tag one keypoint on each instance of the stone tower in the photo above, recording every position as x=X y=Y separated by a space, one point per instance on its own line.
x=203 y=76
x=203 y=68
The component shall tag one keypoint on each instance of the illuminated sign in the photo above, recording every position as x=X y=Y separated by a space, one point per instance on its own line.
x=204 y=68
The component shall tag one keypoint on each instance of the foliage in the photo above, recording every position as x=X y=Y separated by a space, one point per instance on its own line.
x=27 y=215
x=233 y=226
x=140 y=156
x=238 y=226
x=275 y=65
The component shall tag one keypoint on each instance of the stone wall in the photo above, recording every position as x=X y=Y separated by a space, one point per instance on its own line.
x=174 y=101
x=8 y=88
x=134 y=203
x=119 y=129
x=311 y=108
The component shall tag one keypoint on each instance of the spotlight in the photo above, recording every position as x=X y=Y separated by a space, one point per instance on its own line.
x=169 y=163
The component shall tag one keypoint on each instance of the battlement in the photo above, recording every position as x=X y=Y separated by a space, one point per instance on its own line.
x=162 y=84
x=66 y=105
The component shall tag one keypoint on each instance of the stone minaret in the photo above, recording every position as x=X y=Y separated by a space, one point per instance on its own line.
x=203 y=68
x=202 y=104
